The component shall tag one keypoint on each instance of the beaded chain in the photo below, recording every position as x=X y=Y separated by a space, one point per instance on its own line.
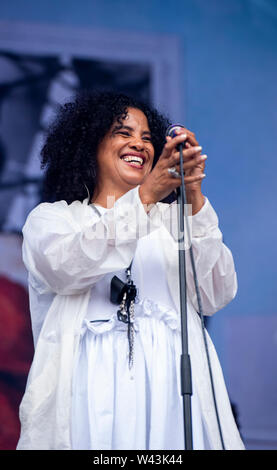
x=126 y=313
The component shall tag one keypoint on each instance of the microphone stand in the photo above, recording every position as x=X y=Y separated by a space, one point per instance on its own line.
x=186 y=381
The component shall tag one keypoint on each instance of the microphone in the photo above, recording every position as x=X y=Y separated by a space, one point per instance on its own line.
x=186 y=381
x=185 y=364
x=172 y=130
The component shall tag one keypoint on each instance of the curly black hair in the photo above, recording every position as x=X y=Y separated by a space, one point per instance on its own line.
x=70 y=149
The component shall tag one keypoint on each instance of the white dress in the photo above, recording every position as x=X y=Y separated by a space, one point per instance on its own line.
x=115 y=407
x=71 y=254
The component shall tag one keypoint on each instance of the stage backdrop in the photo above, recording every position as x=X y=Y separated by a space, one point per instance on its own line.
x=213 y=67
x=42 y=68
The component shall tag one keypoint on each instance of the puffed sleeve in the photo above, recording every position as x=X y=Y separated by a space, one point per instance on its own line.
x=68 y=248
x=213 y=262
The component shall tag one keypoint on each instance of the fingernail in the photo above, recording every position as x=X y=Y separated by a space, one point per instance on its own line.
x=197 y=148
x=203 y=157
x=203 y=175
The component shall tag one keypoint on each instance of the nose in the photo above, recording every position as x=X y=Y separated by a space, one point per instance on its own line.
x=137 y=143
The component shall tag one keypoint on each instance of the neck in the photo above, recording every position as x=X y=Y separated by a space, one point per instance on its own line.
x=107 y=198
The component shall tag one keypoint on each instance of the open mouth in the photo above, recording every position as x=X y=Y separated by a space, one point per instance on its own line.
x=134 y=160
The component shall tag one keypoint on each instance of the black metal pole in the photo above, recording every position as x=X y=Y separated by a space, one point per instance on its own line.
x=186 y=382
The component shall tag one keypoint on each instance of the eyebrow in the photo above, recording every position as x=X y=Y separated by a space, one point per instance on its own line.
x=128 y=128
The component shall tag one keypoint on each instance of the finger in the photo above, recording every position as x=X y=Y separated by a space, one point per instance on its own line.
x=171 y=143
x=188 y=154
x=194 y=179
x=188 y=179
x=192 y=163
x=191 y=139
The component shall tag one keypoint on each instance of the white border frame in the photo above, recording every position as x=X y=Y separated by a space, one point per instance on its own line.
x=161 y=51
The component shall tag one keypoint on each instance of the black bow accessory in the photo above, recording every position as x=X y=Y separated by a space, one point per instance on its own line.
x=124 y=294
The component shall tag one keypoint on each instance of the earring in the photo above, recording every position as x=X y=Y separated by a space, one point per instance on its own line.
x=88 y=193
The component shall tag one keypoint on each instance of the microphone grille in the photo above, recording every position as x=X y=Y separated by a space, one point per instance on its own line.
x=172 y=130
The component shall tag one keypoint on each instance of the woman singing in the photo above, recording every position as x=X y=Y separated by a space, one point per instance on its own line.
x=104 y=286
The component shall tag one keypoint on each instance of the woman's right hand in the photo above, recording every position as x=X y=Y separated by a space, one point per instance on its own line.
x=160 y=183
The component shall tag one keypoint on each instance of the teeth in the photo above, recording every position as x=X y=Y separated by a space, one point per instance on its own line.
x=133 y=158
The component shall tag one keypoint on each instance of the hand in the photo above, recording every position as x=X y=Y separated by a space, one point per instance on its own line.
x=194 y=194
x=198 y=169
x=159 y=183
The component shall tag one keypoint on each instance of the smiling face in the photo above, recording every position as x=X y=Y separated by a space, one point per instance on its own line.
x=125 y=155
